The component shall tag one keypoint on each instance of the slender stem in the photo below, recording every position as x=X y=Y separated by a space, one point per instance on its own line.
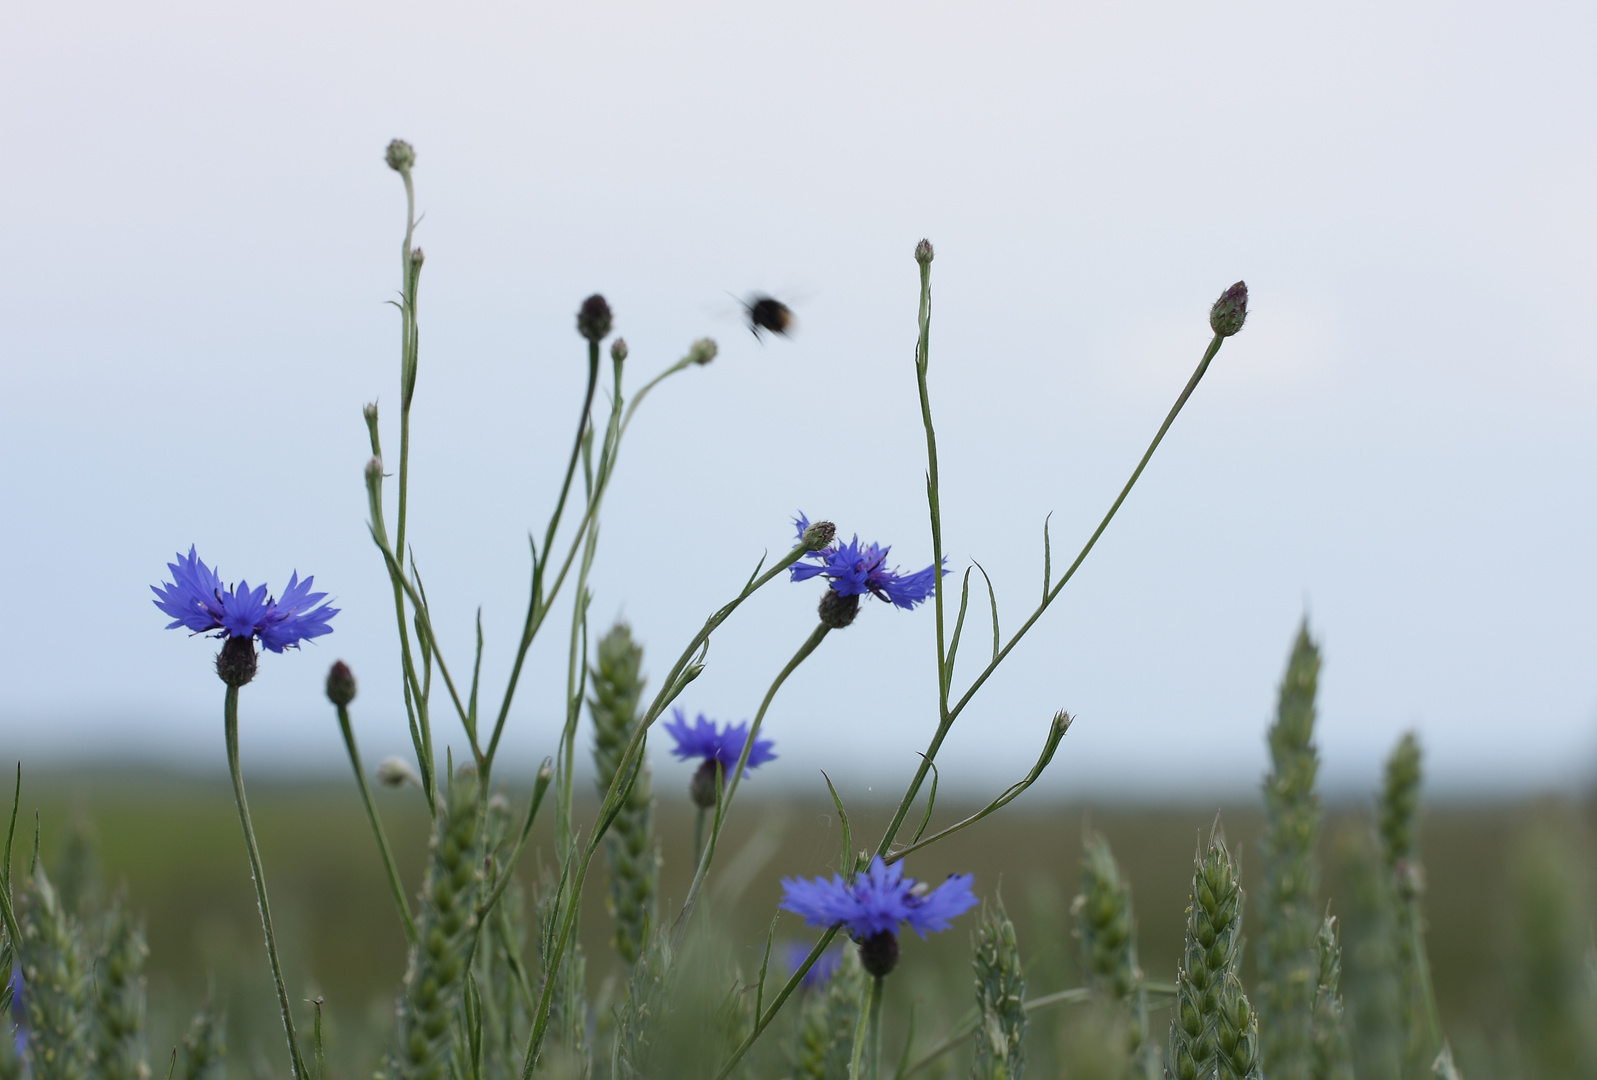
x=934 y=505
x=865 y=1064
x=394 y=885
x=539 y=605
x=1422 y=961
x=230 y=724
x=698 y=835
x=953 y=713
x=763 y=1021
x=811 y=643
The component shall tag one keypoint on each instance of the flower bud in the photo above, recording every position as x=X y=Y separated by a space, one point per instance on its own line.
x=235 y=664
x=702 y=351
x=618 y=350
x=838 y=611
x=1230 y=311
x=878 y=954
x=340 y=684
x=396 y=772
x=369 y=411
x=703 y=788
x=374 y=471
x=924 y=252
x=400 y=156
x=818 y=535
x=593 y=318
x=417 y=256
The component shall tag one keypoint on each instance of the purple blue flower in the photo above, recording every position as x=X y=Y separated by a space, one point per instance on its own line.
x=820 y=972
x=878 y=900
x=705 y=740
x=197 y=602
x=854 y=569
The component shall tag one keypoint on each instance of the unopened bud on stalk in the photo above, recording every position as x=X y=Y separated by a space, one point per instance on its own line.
x=702 y=351
x=593 y=318
x=878 y=954
x=374 y=471
x=417 y=257
x=818 y=535
x=704 y=786
x=340 y=684
x=396 y=772
x=923 y=252
x=498 y=803
x=369 y=411
x=235 y=664
x=400 y=156
x=838 y=611
x=1230 y=311
x=618 y=350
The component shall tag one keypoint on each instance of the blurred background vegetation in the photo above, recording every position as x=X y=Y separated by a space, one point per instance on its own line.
x=1508 y=904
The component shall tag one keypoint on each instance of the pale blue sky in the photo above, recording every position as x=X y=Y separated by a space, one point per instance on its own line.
x=200 y=235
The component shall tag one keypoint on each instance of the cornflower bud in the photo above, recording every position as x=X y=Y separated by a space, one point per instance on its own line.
x=593 y=318
x=340 y=684
x=923 y=252
x=417 y=257
x=396 y=772
x=618 y=350
x=374 y=471
x=1230 y=311
x=838 y=611
x=235 y=664
x=705 y=785
x=400 y=156
x=369 y=411
x=702 y=351
x=818 y=536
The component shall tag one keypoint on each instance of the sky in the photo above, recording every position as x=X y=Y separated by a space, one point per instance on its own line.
x=201 y=239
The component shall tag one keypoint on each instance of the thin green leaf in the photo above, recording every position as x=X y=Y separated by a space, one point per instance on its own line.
x=476 y=674
x=909 y=1040
x=992 y=598
x=16 y=801
x=931 y=800
x=846 y=866
x=759 y=990
x=1047 y=558
x=959 y=626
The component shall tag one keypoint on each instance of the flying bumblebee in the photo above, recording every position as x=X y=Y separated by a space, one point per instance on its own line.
x=767 y=313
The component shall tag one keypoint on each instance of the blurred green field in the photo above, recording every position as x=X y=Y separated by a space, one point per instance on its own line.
x=173 y=843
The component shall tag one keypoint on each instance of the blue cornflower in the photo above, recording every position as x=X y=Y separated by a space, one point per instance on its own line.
x=874 y=903
x=820 y=972
x=855 y=569
x=197 y=601
x=719 y=748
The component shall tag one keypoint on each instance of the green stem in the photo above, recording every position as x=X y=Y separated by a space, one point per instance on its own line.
x=394 y=885
x=811 y=643
x=866 y=1062
x=698 y=835
x=963 y=1029
x=952 y=714
x=763 y=1021
x=230 y=723
x=1422 y=963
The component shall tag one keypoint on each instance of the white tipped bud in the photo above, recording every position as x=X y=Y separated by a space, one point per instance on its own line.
x=396 y=772
x=703 y=351
x=374 y=471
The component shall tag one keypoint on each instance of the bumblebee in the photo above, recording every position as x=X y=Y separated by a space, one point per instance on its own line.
x=767 y=313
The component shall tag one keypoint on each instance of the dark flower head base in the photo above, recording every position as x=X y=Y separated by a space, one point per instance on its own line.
x=718 y=747
x=854 y=569
x=198 y=603
x=874 y=903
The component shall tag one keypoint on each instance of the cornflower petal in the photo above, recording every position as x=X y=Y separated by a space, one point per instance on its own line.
x=878 y=900
x=197 y=601
x=854 y=569
x=706 y=740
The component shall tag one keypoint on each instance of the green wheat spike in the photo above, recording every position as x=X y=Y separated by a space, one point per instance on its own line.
x=1209 y=957
x=446 y=920
x=506 y=988
x=1236 y=1033
x=1000 y=999
x=1330 y=1055
x=1369 y=963
x=77 y=871
x=568 y=1011
x=55 y=969
x=827 y=1020
x=1107 y=928
x=1289 y=913
x=1398 y=814
x=119 y=999
x=629 y=845
x=204 y=1051
x=638 y=1017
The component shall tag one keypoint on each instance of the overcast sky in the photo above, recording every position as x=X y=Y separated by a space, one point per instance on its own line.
x=200 y=236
